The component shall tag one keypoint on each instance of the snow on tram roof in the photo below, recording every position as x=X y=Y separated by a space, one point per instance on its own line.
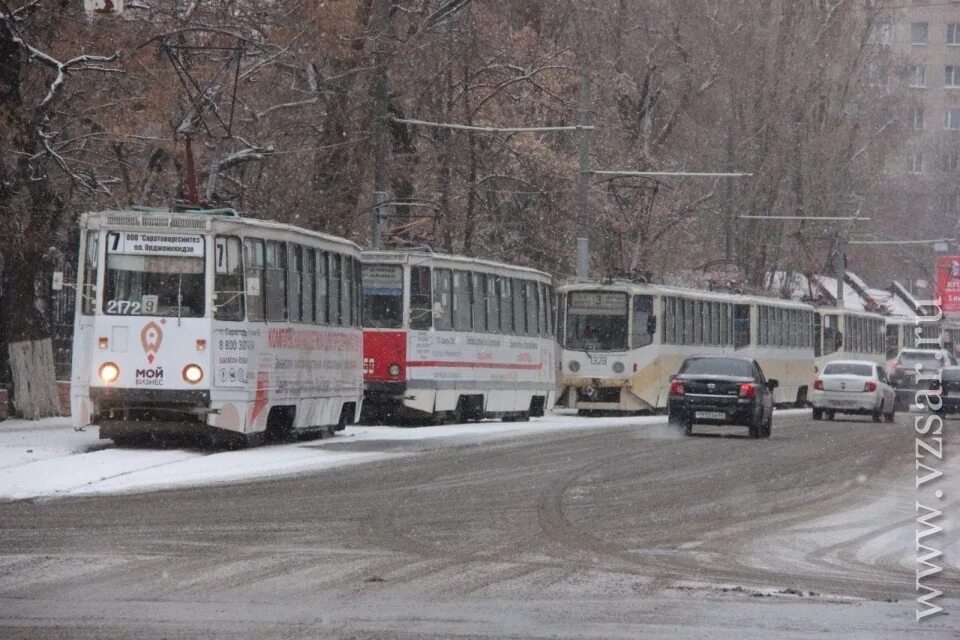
x=374 y=254
x=621 y=285
x=124 y=218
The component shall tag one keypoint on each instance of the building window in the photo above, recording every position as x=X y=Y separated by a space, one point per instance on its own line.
x=951 y=119
x=953 y=33
x=950 y=203
x=918 y=76
x=876 y=75
x=917 y=117
x=952 y=76
x=915 y=163
x=951 y=160
x=880 y=34
x=919 y=33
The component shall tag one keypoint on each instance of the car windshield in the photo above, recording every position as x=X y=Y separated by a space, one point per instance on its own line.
x=848 y=369
x=718 y=367
x=597 y=321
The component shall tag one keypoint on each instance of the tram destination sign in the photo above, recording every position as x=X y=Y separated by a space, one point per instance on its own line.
x=138 y=243
x=597 y=302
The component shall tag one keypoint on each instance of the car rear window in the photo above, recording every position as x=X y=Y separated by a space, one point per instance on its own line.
x=848 y=369
x=926 y=360
x=718 y=367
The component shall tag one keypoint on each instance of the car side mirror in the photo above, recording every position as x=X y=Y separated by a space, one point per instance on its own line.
x=652 y=325
x=773 y=383
x=838 y=340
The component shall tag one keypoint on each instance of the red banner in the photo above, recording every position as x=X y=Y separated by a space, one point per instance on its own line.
x=948 y=283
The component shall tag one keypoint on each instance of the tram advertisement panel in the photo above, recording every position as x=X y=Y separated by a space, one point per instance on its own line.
x=948 y=283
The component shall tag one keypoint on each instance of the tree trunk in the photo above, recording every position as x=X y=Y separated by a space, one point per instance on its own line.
x=31 y=362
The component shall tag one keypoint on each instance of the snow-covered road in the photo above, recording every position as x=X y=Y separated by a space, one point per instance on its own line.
x=44 y=459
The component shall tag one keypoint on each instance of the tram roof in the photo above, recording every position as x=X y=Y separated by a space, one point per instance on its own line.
x=720 y=296
x=194 y=220
x=402 y=255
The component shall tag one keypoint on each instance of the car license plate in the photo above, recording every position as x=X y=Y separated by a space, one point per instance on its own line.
x=711 y=415
x=841 y=403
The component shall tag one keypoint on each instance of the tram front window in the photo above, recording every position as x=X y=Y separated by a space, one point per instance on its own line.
x=139 y=285
x=382 y=296
x=597 y=321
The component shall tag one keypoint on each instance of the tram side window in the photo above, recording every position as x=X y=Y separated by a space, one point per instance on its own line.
x=228 y=279
x=533 y=308
x=478 y=300
x=307 y=285
x=741 y=326
x=551 y=312
x=333 y=290
x=642 y=324
x=276 y=294
x=493 y=304
x=88 y=290
x=506 y=306
x=461 y=301
x=725 y=325
x=320 y=299
x=543 y=311
x=346 y=292
x=293 y=282
x=830 y=334
x=253 y=261
x=442 y=284
x=421 y=305
x=715 y=323
x=519 y=308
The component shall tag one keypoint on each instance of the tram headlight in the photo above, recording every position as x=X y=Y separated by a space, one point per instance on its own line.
x=192 y=373
x=574 y=366
x=618 y=367
x=109 y=372
x=394 y=370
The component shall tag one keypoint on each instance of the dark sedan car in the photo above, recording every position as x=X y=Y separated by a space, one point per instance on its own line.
x=912 y=371
x=949 y=387
x=722 y=390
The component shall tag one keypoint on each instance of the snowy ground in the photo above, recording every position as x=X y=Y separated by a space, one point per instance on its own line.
x=561 y=527
x=48 y=458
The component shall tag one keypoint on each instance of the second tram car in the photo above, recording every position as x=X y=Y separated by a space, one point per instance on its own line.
x=210 y=324
x=455 y=338
x=621 y=341
x=849 y=335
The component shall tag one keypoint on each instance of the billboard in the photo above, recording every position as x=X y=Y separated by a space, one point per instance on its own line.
x=948 y=283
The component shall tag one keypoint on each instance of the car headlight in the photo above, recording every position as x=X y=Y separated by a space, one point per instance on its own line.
x=618 y=367
x=109 y=372
x=574 y=366
x=192 y=373
x=394 y=370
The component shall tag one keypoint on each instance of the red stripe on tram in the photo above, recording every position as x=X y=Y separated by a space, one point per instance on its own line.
x=474 y=365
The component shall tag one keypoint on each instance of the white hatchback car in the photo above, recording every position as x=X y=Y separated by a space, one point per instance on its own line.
x=853 y=386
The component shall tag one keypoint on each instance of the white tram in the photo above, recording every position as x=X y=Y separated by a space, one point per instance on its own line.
x=849 y=335
x=452 y=337
x=622 y=340
x=906 y=332
x=206 y=323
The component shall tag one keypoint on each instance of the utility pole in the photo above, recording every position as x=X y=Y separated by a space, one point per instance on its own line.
x=840 y=268
x=583 y=140
x=380 y=98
